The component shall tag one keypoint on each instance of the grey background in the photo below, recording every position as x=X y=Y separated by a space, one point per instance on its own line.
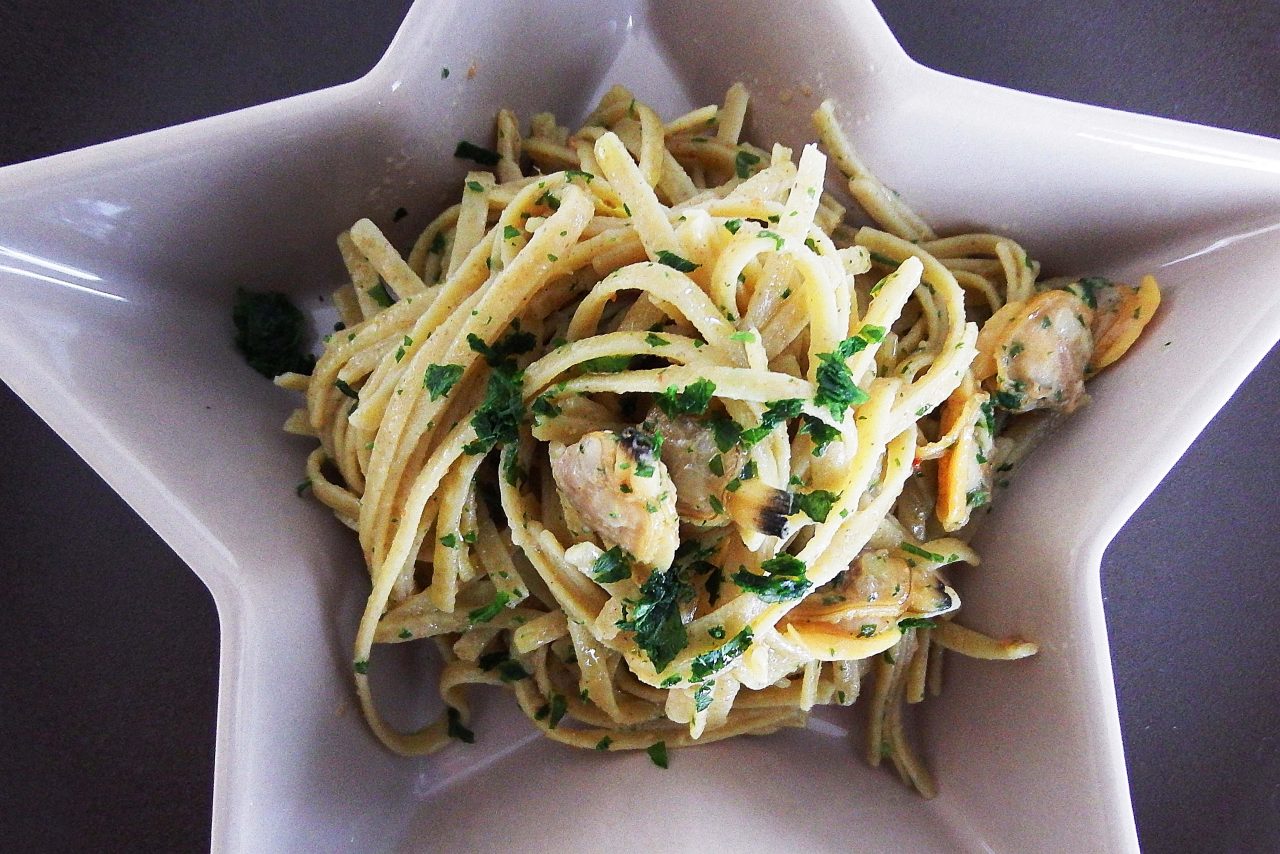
x=108 y=675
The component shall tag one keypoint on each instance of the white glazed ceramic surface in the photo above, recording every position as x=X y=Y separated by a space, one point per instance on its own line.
x=118 y=264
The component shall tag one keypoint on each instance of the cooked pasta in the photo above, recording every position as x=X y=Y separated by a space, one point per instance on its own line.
x=647 y=431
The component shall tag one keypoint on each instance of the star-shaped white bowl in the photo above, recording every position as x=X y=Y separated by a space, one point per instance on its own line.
x=118 y=264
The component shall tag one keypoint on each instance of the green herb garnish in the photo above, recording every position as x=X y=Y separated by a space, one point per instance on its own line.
x=655 y=617
x=612 y=565
x=817 y=504
x=674 y=261
x=471 y=151
x=269 y=333
x=693 y=400
x=440 y=379
x=456 y=729
x=379 y=294
x=914 y=623
x=785 y=579
x=776 y=412
x=557 y=711
x=607 y=364
x=342 y=386
x=919 y=552
x=485 y=613
x=717 y=659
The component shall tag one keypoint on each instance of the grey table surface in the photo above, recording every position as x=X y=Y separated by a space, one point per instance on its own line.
x=109 y=674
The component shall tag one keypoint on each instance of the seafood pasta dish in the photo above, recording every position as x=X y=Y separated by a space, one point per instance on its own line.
x=676 y=439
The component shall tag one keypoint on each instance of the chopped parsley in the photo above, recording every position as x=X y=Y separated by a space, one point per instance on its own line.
x=360 y=666
x=655 y=340
x=726 y=432
x=776 y=412
x=456 y=729
x=883 y=260
x=512 y=671
x=499 y=355
x=342 y=386
x=674 y=261
x=817 y=504
x=733 y=225
x=543 y=408
x=1010 y=400
x=559 y=705
x=485 y=613
x=745 y=335
x=612 y=565
x=977 y=497
x=1087 y=288
x=785 y=579
x=716 y=466
x=508 y=668
x=777 y=239
x=702 y=697
x=510 y=232
x=866 y=630
x=607 y=364
x=914 y=623
x=658 y=753
x=717 y=659
x=439 y=380
x=743 y=162
x=471 y=151
x=919 y=552
x=714 y=579
x=475 y=186
x=400 y=351
x=379 y=294
x=655 y=617
x=836 y=389
x=693 y=400
x=449 y=541
x=821 y=432
x=269 y=333
x=497 y=419
x=578 y=173
x=603 y=744
x=989 y=418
